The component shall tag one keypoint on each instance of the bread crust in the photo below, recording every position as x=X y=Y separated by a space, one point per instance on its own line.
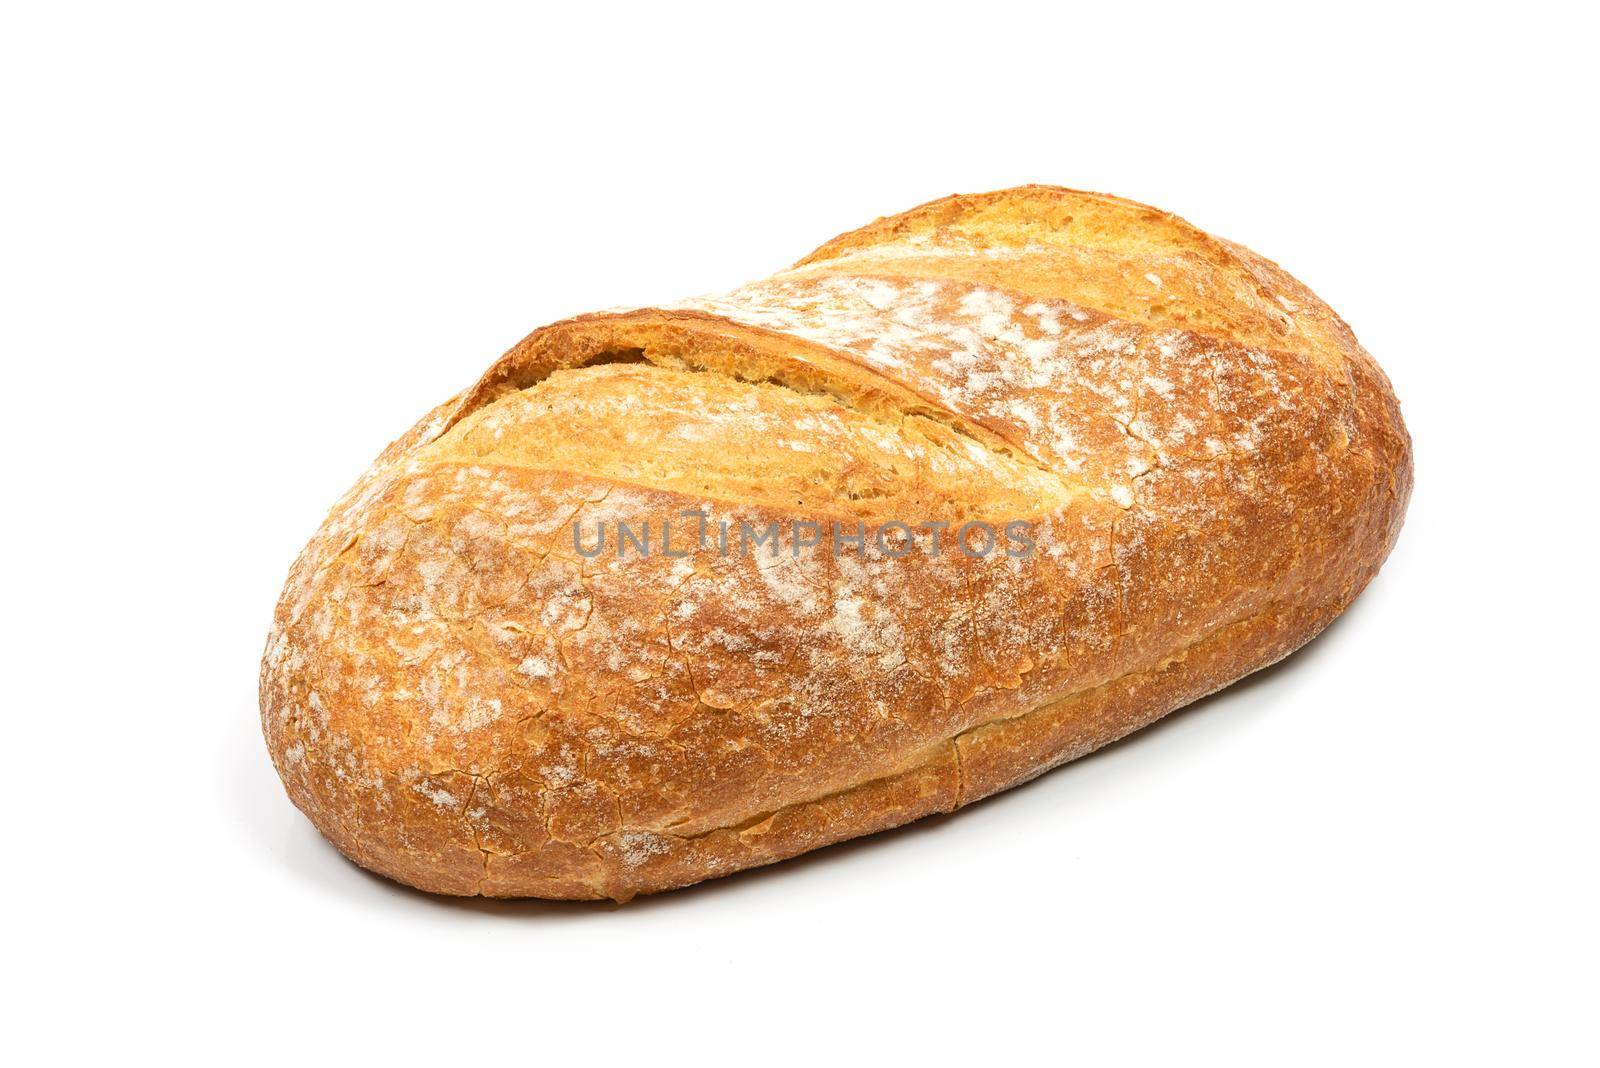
x=1211 y=466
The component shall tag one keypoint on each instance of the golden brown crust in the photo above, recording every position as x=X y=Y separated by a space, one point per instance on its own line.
x=460 y=697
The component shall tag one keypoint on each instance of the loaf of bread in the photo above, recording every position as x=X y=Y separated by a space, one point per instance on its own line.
x=963 y=495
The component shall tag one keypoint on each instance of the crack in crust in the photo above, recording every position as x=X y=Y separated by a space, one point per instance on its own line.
x=703 y=432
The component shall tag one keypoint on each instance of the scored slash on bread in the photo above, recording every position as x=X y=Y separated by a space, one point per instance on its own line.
x=1211 y=466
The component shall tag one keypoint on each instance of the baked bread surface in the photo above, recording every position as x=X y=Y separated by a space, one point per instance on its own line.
x=1209 y=464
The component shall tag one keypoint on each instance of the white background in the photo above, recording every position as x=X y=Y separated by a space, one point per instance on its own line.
x=244 y=246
